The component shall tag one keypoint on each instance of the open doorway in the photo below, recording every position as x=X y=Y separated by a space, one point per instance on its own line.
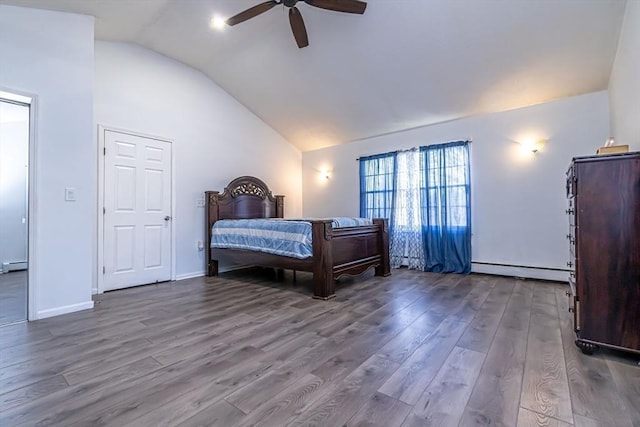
x=14 y=207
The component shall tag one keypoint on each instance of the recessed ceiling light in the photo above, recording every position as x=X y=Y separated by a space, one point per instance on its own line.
x=217 y=22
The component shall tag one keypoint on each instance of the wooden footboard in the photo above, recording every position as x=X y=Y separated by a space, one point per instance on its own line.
x=347 y=251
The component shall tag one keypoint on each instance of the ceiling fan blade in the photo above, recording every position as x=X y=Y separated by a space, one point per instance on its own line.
x=297 y=26
x=251 y=12
x=348 y=6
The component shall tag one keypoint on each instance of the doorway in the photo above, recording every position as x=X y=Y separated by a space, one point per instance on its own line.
x=15 y=113
x=137 y=204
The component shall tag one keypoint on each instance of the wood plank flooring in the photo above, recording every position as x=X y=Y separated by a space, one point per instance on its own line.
x=13 y=297
x=413 y=349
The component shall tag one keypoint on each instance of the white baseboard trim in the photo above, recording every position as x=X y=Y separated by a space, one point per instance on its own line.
x=190 y=275
x=50 y=312
x=521 y=271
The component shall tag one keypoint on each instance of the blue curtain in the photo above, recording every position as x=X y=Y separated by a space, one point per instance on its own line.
x=377 y=185
x=445 y=200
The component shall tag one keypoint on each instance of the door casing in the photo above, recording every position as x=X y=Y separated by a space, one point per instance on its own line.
x=32 y=288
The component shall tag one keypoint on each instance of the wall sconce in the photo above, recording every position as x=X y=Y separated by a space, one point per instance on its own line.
x=323 y=174
x=532 y=145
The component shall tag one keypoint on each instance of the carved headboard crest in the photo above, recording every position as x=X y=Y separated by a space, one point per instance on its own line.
x=250 y=189
x=248 y=186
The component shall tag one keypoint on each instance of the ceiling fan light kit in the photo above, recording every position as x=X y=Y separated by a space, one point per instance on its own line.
x=295 y=18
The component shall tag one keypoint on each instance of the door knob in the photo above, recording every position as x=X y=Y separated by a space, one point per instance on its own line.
x=167 y=218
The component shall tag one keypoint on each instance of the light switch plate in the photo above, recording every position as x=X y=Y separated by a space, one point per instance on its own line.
x=199 y=203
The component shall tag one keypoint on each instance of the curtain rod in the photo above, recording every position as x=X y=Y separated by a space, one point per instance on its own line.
x=469 y=140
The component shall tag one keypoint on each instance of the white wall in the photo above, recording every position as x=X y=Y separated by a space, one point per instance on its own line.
x=50 y=54
x=518 y=199
x=14 y=158
x=215 y=138
x=624 y=84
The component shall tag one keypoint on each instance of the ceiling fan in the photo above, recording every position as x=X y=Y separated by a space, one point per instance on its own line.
x=295 y=18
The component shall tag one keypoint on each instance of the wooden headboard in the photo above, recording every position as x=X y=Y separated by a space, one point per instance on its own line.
x=243 y=198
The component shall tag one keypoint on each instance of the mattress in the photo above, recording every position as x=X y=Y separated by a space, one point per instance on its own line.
x=290 y=237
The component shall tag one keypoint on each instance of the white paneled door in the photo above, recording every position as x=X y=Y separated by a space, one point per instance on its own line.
x=137 y=210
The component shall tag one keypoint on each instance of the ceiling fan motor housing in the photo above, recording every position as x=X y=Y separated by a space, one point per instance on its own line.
x=289 y=3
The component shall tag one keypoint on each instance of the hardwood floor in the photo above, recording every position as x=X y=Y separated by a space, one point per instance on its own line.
x=413 y=349
x=13 y=297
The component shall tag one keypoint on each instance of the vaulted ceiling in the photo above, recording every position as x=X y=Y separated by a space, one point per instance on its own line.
x=403 y=64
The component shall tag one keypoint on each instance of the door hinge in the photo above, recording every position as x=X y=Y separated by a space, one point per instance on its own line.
x=104 y=270
x=104 y=210
x=104 y=151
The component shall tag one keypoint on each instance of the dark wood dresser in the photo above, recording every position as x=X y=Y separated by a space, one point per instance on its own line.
x=604 y=216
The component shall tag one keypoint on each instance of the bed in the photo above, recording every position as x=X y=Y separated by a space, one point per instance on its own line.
x=335 y=251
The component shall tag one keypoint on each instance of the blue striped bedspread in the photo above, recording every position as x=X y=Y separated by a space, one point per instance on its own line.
x=290 y=237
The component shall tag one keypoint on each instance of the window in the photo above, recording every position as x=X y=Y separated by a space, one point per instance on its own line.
x=445 y=190
x=426 y=194
x=442 y=173
x=377 y=176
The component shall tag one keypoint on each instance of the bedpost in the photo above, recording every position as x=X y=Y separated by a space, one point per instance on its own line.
x=279 y=206
x=323 y=283
x=384 y=269
x=211 y=216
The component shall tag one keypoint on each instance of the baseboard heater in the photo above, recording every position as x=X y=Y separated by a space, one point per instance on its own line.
x=521 y=271
x=515 y=270
x=14 y=266
x=520 y=266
